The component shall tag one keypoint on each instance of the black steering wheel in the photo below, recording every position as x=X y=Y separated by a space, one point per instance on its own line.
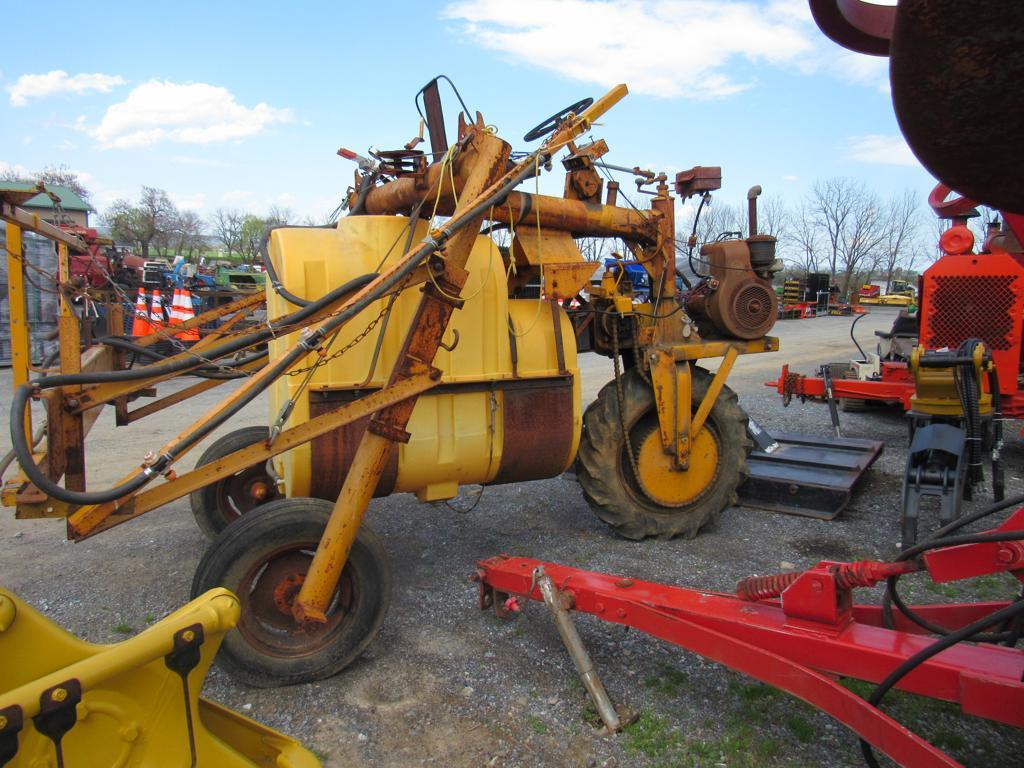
x=552 y=122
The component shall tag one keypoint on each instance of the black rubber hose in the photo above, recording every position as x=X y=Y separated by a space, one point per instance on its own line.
x=216 y=372
x=853 y=338
x=892 y=596
x=21 y=396
x=268 y=264
x=964 y=633
x=998 y=485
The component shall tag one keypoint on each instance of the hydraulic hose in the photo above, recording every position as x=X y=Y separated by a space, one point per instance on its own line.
x=217 y=372
x=268 y=263
x=21 y=396
x=965 y=633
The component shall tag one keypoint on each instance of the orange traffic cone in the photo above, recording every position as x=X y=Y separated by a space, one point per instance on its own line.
x=175 y=316
x=187 y=313
x=156 y=312
x=140 y=325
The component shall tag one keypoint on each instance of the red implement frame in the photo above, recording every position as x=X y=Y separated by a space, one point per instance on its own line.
x=813 y=632
x=895 y=386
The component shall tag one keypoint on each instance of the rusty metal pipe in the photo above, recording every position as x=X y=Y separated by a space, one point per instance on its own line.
x=520 y=208
x=577 y=651
x=752 y=194
x=421 y=344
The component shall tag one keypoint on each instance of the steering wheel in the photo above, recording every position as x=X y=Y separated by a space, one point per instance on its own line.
x=547 y=126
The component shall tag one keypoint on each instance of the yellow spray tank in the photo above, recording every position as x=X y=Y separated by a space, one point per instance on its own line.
x=508 y=408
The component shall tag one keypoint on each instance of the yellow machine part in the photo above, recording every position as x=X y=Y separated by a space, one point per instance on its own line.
x=935 y=389
x=132 y=710
x=508 y=407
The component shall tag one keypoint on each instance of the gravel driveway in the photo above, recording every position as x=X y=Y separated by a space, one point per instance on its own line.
x=447 y=684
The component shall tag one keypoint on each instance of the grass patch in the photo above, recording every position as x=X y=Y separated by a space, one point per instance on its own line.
x=537 y=725
x=149 y=618
x=668 y=681
x=651 y=736
x=123 y=629
x=803 y=730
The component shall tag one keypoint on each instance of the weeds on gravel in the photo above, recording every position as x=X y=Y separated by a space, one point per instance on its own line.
x=537 y=725
x=651 y=736
x=123 y=629
x=938 y=721
x=669 y=681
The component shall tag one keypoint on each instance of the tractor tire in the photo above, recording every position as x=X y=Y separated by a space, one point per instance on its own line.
x=222 y=502
x=692 y=499
x=263 y=559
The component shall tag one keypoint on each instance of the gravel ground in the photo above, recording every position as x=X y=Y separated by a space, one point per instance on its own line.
x=447 y=684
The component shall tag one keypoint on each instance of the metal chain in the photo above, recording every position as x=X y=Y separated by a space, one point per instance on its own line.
x=621 y=398
x=358 y=338
x=637 y=356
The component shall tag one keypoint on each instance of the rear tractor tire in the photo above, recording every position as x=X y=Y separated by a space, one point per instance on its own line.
x=663 y=502
x=264 y=559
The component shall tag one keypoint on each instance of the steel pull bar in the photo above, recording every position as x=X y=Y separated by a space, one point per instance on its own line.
x=555 y=601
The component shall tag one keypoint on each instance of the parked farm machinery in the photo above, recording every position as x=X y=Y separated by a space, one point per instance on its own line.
x=403 y=353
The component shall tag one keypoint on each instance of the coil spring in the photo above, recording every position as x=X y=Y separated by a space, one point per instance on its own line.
x=755 y=588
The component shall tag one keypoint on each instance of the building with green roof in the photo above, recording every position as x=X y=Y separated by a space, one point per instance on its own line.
x=73 y=209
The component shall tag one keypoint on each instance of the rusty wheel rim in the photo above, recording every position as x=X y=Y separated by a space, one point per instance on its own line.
x=243 y=492
x=266 y=592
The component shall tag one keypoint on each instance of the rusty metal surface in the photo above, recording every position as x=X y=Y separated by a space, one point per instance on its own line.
x=523 y=456
x=87 y=521
x=957 y=70
x=332 y=453
x=34 y=223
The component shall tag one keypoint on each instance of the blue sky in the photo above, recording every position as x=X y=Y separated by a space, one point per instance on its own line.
x=243 y=104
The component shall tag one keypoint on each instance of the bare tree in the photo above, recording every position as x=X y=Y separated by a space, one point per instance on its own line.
x=188 y=234
x=59 y=175
x=227 y=228
x=900 y=232
x=804 y=239
x=853 y=222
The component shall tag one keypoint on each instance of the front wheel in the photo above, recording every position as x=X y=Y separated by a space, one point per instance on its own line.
x=264 y=559
x=657 y=500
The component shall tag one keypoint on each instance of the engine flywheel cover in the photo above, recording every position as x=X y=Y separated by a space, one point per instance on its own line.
x=666 y=485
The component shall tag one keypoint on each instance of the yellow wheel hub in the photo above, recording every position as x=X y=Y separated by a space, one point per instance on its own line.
x=668 y=486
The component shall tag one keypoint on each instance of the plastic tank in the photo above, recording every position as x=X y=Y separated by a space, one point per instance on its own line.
x=507 y=409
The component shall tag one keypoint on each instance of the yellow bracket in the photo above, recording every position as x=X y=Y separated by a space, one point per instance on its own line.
x=134 y=709
x=673 y=394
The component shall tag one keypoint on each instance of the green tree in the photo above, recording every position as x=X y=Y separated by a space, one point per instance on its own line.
x=151 y=220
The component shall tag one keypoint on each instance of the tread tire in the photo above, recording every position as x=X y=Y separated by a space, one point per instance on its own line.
x=607 y=478
x=293 y=527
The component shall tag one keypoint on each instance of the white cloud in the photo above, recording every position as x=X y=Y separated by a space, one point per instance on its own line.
x=20 y=170
x=881 y=150
x=790 y=177
x=860 y=69
x=663 y=48
x=188 y=201
x=187 y=113
x=58 y=81
x=236 y=195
